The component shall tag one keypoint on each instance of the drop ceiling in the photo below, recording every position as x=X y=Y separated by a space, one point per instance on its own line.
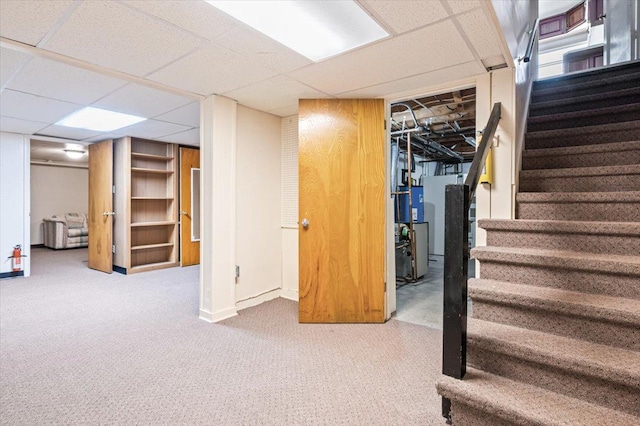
x=158 y=58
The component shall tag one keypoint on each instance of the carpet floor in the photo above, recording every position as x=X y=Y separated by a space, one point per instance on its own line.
x=82 y=347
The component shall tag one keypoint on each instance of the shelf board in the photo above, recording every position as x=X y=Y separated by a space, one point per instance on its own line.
x=152 y=198
x=150 y=156
x=151 y=246
x=145 y=170
x=157 y=223
x=151 y=266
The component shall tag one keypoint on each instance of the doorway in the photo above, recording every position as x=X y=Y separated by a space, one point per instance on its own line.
x=59 y=199
x=433 y=141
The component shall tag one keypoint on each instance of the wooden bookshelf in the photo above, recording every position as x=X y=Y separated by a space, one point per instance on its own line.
x=146 y=188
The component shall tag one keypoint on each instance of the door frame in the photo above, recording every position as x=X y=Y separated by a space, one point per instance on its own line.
x=390 y=305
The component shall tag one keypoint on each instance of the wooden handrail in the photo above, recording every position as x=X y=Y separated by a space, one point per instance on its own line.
x=473 y=177
x=456 y=261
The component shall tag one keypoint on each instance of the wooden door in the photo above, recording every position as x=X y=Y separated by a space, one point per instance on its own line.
x=101 y=206
x=189 y=206
x=341 y=211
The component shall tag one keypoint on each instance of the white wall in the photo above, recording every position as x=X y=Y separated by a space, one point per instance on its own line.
x=56 y=190
x=511 y=87
x=14 y=199
x=258 y=203
x=290 y=271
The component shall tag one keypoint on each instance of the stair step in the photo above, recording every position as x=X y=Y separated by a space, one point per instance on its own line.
x=582 y=179
x=618 y=153
x=601 y=85
x=621 y=206
x=605 y=274
x=498 y=401
x=607 y=320
x=591 y=117
x=621 y=238
x=588 y=135
x=601 y=374
x=587 y=76
x=585 y=102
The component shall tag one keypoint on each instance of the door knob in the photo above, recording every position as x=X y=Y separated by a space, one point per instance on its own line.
x=305 y=223
x=108 y=213
x=183 y=213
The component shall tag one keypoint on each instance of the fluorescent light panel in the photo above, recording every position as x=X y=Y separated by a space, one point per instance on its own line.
x=315 y=29
x=74 y=153
x=98 y=119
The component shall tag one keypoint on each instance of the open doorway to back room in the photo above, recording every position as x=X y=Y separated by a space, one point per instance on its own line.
x=433 y=140
x=59 y=200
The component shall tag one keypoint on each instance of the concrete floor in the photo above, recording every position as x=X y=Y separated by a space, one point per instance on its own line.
x=421 y=302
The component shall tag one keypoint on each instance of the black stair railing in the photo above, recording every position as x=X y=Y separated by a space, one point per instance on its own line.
x=456 y=260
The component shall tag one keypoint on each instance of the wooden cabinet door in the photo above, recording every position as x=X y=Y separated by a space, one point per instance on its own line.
x=101 y=206
x=189 y=206
x=342 y=211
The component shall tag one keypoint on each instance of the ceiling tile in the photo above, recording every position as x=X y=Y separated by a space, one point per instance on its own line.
x=197 y=17
x=16 y=125
x=35 y=108
x=68 y=132
x=459 y=6
x=406 y=15
x=248 y=42
x=60 y=81
x=29 y=21
x=434 y=47
x=190 y=137
x=148 y=129
x=10 y=62
x=285 y=111
x=117 y=37
x=142 y=101
x=189 y=115
x=418 y=82
x=277 y=92
x=212 y=70
x=481 y=33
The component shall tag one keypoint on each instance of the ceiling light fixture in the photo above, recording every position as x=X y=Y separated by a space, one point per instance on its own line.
x=315 y=29
x=74 y=153
x=98 y=119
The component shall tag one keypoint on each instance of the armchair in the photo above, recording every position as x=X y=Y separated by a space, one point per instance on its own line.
x=67 y=230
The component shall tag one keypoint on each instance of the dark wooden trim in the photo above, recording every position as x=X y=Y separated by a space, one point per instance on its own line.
x=456 y=263
x=575 y=17
x=547 y=29
x=596 y=11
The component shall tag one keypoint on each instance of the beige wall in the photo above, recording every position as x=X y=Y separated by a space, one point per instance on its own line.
x=258 y=203
x=56 y=190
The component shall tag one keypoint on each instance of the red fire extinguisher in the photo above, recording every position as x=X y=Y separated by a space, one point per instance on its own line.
x=16 y=259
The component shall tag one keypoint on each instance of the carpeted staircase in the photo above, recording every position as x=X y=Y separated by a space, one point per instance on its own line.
x=555 y=333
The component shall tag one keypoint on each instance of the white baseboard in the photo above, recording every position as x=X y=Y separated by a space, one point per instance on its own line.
x=257 y=300
x=217 y=316
x=289 y=294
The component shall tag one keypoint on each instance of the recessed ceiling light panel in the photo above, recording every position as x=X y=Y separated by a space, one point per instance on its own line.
x=98 y=119
x=315 y=29
x=74 y=153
